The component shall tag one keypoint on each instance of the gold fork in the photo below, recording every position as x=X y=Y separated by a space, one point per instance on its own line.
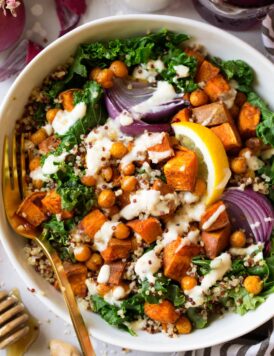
x=12 y=198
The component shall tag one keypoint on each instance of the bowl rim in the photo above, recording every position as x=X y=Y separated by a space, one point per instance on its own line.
x=23 y=274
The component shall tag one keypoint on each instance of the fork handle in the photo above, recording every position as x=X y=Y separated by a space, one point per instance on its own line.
x=68 y=295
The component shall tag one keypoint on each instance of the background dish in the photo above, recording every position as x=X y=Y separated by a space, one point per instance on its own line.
x=218 y=43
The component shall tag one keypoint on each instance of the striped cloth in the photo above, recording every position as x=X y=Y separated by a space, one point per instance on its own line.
x=259 y=342
x=268 y=33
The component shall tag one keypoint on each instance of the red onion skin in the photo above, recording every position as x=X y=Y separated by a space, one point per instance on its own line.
x=69 y=13
x=11 y=27
x=138 y=127
x=32 y=50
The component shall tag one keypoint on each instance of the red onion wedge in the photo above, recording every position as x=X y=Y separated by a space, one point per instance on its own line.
x=125 y=94
x=69 y=13
x=252 y=212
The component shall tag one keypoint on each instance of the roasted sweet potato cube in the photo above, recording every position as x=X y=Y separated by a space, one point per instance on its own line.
x=117 y=249
x=191 y=52
x=92 y=222
x=67 y=99
x=49 y=144
x=149 y=229
x=229 y=136
x=162 y=187
x=163 y=312
x=216 y=86
x=124 y=199
x=52 y=202
x=215 y=217
x=182 y=116
x=31 y=209
x=181 y=171
x=77 y=275
x=116 y=272
x=249 y=118
x=177 y=258
x=216 y=241
x=211 y=114
x=206 y=72
x=161 y=151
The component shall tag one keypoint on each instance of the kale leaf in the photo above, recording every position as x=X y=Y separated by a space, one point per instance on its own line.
x=195 y=316
x=267 y=171
x=74 y=195
x=57 y=232
x=202 y=263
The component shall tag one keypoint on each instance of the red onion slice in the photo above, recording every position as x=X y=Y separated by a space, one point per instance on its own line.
x=69 y=13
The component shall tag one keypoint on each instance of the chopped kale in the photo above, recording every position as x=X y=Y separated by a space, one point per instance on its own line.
x=195 y=316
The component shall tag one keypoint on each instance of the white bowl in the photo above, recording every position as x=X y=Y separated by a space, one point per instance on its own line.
x=218 y=43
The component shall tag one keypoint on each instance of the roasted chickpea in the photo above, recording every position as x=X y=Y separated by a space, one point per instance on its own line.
x=94 y=262
x=82 y=253
x=245 y=152
x=129 y=169
x=38 y=136
x=238 y=239
x=34 y=163
x=255 y=144
x=106 y=198
x=122 y=231
x=183 y=325
x=103 y=289
x=93 y=75
x=188 y=282
x=107 y=173
x=238 y=165
x=105 y=78
x=200 y=187
x=253 y=284
x=129 y=183
x=119 y=69
x=89 y=181
x=234 y=111
x=240 y=99
x=118 y=150
x=51 y=113
x=198 y=97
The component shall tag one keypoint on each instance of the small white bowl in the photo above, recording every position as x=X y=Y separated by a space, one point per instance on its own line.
x=218 y=43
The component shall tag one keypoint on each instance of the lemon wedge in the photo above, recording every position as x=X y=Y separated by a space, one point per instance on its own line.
x=211 y=154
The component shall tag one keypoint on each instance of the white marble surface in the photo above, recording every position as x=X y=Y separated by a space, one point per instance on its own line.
x=50 y=325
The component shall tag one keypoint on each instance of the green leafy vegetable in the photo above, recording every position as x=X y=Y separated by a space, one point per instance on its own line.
x=40 y=114
x=202 y=263
x=198 y=320
x=267 y=173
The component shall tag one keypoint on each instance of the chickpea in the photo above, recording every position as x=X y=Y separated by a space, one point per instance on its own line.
x=200 y=187
x=122 y=231
x=119 y=69
x=94 y=262
x=253 y=284
x=234 y=111
x=188 y=282
x=129 y=183
x=255 y=144
x=38 y=136
x=106 y=198
x=198 y=97
x=129 y=169
x=34 y=163
x=118 y=150
x=107 y=174
x=240 y=99
x=238 y=165
x=245 y=152
x=93 y=75
x=238 y=239
x=105 y=78
x=89 y=181
x=183 y=325
x=51 y=113
x=82 y=253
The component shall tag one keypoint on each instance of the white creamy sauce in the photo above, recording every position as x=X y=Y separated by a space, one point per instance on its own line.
x=98 y=145
x=37 y=174
x=213 y=217
x=163 y=94
x=253 y=162
x=102 y=236
x=125 y=118
x=159 y=156
x=228 y=97
x=246 y=251
x=64 y=119
x=114 y=295
x=51 y=163
x=147 y=265
x=48 y=128
x=141 y=144
x=219 y=267
x=189 y=198
x=191 y=238
x=91 y=286
x=181 y=71
x=103 y=275
x=148 y=71
x=149 y=202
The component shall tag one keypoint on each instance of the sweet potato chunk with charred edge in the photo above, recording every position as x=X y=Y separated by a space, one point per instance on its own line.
x=161 y=151
x=215 y=217
x=215 y=87
x=229 y=136
x=31 y=209
x=149 y=229
x=92 y=222
x=249 y=118
x=211 y=114
x=77 y=275
x=117 y=249
x=206 y=72
x=163 y=312
x=116 y=272
x=216 y=241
